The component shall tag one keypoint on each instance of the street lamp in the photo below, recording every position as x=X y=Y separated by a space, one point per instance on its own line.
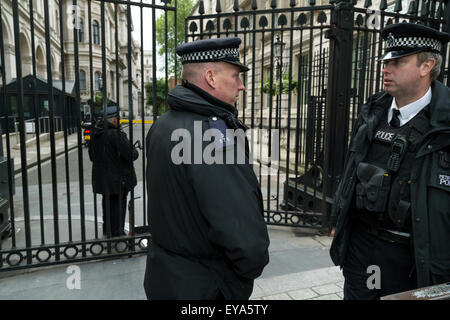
x=279 y=48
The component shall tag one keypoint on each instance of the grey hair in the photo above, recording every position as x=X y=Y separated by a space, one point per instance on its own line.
x=192 y=71
x=424 y=56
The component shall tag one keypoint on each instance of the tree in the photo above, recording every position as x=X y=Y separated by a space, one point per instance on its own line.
x=184 y=8
x=160 y=95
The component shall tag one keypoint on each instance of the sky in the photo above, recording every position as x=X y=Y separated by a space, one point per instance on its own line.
x=147 y=30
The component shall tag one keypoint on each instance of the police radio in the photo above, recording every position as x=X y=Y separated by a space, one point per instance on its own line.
x=398 y=149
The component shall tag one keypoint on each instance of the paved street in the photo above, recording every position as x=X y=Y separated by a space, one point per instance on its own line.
x=299 y=269
x=73 y=161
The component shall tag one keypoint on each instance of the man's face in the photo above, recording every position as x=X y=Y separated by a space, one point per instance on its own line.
x=401 y=76
x=228 y=83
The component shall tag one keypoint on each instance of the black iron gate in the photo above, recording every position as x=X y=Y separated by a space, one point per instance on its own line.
x=62 y=63
x=311 y=67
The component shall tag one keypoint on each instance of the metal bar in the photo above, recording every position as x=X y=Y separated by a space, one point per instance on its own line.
x=91 y=104
x=130 y=117
x=66 y=146
x=106 y=203
x=299 y=115
x=338 y=93
x=8 y=143
x=265 y=12
x=155 y=107
x=37 y=126
x=23 y=154
x=278 y=115
x=253 y=33
x=288 y=143
x=51 y=104
x=218 y=10
x=260 y=133
x=143 y=5
x=166 y=54
x=144 y=194
x=174 y=55
x=80 y=151
x=270 y=107
x=244 y=95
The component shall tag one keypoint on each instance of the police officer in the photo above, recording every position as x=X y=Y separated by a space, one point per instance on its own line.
x=113 y=173
x=392 y=207
x=209 y=238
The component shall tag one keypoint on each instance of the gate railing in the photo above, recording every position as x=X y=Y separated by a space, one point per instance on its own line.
x=91 y=49
x=311 y=66
x=300 y=102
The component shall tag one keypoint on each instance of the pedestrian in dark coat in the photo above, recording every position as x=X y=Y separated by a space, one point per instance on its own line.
x=209 y=238
x=113 y=173
x=391 y=213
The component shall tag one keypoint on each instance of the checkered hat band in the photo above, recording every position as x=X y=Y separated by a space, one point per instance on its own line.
x=211 y=55
x=414 y=42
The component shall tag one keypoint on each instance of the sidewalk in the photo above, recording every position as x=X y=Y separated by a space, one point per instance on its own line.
x=45 y=148
x=299 y=269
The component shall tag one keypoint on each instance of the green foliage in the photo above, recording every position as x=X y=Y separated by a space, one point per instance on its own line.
x=97 y=106
x=98 y=100
x=276 y=85
x=160 y=95
x=184 y=8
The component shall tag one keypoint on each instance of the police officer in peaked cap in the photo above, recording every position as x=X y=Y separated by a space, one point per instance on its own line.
x=113 y=174
x=209 y=237
x=391 y=211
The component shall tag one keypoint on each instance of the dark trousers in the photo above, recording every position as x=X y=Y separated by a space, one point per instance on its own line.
x=394 y=260
x=117 y=207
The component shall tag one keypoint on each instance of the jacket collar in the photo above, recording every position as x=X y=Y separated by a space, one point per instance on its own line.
x=378 y=105
x=440 y=105
x=190 y=98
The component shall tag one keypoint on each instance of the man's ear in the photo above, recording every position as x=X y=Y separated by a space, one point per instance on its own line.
x=426 y=67
x=210 y=78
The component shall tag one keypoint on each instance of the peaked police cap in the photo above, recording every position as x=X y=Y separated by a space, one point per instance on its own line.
x=404 y=39
x=211 y=50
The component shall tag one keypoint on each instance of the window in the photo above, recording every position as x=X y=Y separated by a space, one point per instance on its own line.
x=96 y=32
x=44 y=108
x=82 y=80
x=97 y=81
x=81 y=31
x=57 y=21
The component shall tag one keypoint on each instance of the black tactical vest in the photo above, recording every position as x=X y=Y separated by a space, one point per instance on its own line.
x=383 y=187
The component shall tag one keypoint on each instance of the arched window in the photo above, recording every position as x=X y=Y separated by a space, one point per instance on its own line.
x=81 y=31
x=97 y=81
x=96 y=32
x=82 y=80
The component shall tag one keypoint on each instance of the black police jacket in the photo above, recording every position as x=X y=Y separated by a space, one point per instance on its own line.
x=112 y=158
x=209 y=237
x=430 y=185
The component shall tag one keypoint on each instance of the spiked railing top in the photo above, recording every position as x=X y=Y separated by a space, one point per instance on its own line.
x=201 y=7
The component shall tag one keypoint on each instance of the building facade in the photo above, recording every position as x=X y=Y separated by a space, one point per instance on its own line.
x=86 y=20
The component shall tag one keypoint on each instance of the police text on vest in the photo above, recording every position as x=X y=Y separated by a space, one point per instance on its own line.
x=384 y=136
x=444 y=180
